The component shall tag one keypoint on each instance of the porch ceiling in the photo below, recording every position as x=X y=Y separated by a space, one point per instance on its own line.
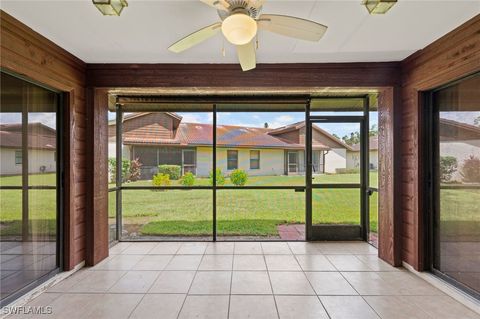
x=146 y=28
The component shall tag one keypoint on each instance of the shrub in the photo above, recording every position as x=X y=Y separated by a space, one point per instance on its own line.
x=220 y=178
x=471 y=170
x=112 y=168
x=174 y=171
x=448 y=166
x=161 y=180
x=135 y=171
x=188 y=179
x=347 y=170
x=239 y=177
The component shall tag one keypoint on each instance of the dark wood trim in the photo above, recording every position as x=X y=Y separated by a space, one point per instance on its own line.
x=97 y=215
x=32 y=56
x=382 y=74
x=450 y=58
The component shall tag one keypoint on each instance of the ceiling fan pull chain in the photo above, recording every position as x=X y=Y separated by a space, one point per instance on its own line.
x=256 y=42
x=223 y=48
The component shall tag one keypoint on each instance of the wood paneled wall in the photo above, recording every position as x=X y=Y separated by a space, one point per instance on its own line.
x=27 y=53
x=452 y=57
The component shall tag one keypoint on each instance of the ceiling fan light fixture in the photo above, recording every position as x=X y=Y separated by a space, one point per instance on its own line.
x=379 y=6
x=239 y=28
x=110 y=7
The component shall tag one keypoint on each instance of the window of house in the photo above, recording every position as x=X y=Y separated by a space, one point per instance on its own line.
x=254 y=159
x=18 y=157
x=232 y=160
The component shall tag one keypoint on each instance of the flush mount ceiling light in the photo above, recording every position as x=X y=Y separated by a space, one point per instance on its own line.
x=240 y=21
x=378 y=6
x=110 y=7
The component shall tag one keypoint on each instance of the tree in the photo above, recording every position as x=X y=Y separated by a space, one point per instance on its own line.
x=448 y=166
x=353 y=139
x=373 y=130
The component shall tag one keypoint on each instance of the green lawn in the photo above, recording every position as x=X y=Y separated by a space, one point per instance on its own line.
x=239 y=211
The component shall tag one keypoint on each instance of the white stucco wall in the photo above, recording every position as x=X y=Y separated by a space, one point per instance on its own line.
x=334 y=159
x=353 y=159
x=36 y=158
x=461 y=150
x=271 y=161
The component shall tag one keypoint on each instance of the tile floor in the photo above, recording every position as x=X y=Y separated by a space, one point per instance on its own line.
x=246 y=280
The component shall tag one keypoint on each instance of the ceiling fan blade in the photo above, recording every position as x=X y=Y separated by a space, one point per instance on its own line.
x=292 y=27
x=257 y=3
x=217 y=4
x=195 y=38
x=247 y=56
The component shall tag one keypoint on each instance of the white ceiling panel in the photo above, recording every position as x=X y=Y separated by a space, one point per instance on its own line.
x=147 y=28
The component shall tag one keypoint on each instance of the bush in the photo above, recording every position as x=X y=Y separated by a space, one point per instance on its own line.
x=239 y=177
x=448 y=166
x=220 y=178
x=188 y=179
x=135 y=171
x=174 y=171
x=112 y=168
x=347 y=170
x=161 y=180
x=471 y=170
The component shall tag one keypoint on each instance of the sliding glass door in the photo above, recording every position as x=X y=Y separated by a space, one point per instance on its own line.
x=29 y=185
x=456 y=183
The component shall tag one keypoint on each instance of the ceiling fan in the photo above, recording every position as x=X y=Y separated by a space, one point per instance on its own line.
x=240 y=21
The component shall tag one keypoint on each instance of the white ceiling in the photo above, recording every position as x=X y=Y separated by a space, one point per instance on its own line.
x=146 y=28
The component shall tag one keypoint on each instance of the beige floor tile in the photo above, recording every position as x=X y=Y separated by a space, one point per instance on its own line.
x=205 y=307
x=330 y=283
x=245 y=248
x=118 y=248
x=173 y=282
x=98 y=281
x=290 y=283
x=249 y=262
x=216 y=262
x=154 y=306
x=348 y=263
x=67 y=284
x=276 y=249
x=167 y=248
x=138 y=281
x=73 y=306
x=351 y=307
x=282 y=263
x=376 y=263
x=395 y=307
x=192 y=249
x=118 y=262
x=184 y=262
x=369 y=283
x=333 y=248
x=153 y=262
x=406 y=283
x=211 y=283
x=251 y=282
x=304 y=248
x=315 y=263
x=139 y=248
x=305 y=307
x=217 y=248
x=442 y=307
x=252 y=307
x=114 y=306
x=42 y=300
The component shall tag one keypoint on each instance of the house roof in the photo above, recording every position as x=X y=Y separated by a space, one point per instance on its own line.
x=372 y=144
x=14 y=140
x=468 y=131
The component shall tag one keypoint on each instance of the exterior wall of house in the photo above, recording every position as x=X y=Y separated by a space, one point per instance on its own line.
x=37 y=158
x=353 y=159
x=336 y=158
x=271 y=161
x=461 y=150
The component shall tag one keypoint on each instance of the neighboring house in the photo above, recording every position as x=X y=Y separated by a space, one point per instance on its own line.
x=161 y=138
x=42 y=142
x=459 y=140
x=353 y=156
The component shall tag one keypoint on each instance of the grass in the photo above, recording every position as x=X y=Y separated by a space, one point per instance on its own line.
x=239 y=212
